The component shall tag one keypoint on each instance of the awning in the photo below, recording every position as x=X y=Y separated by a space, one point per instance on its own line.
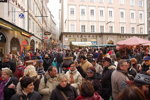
x=8 y=25
x=81 y=43
x=5 y=26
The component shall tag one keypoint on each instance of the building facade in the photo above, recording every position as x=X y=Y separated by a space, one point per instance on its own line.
x=23 y=24
x=148 y=18
x=104 y=16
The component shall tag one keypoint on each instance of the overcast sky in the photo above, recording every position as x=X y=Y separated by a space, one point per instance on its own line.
x=54 y=8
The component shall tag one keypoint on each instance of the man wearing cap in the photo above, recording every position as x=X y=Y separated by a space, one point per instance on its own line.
x=146 y=65
x=98 y=67
x=108 y=68
x=84 y=63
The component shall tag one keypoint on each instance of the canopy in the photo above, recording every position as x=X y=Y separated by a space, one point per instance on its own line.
x=133 y=41
x=82 y=43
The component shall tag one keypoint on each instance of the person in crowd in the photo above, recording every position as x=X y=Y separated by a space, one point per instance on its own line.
x=73 y=76
x=9 y=64
x=87 y=92
x=67 y=60
x=131 y=93
x=108 y=68
x=135 y=65
x=27 y=90
x=98 y=67
x=19 y=70
x=146 y=64
x=59 y=59
x=119 y=78
x=30 y=71
x=48 y=83
x=40 y=68
x=7 y=84
x=47 y=62
x=143 y=83
x=63 y=90
x=84 y=63
x=91 y=75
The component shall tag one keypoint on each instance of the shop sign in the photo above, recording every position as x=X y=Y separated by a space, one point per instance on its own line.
x=3 y=0
x=2 y=38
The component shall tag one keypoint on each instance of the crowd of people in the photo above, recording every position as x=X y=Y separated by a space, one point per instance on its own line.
x=79 y=74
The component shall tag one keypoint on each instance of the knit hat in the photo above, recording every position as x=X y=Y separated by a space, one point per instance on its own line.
x=30 y=71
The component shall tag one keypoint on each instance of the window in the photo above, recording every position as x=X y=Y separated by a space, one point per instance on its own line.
x=101 y=13
x=110 y=1
x=101 y=1
x=92 y=28
x=91 y=0
x=140 y=3
x=84 y=40
x=72 y=26
x=141 y=16
x=121 y=1
x=110 y=29
x=149 y=14
x=82 y=28
x=71 y=11
x=132 y=15
x=110 y=14
x=149 y=5
x=92 y=12
x=122 y=14
x=132 y=2
x=132 y=30
x=141 y=30
x=82 y=12
x=122 y=29
x=101 y=28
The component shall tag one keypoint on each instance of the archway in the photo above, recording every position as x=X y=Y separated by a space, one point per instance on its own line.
x=14 y=45
x=24 y=46
x=32 y=45
x=2 y=45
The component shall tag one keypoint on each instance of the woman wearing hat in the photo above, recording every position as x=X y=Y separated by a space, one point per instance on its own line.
x=91 y=75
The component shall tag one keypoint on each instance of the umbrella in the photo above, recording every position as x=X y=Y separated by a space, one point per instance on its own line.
x=133 y=41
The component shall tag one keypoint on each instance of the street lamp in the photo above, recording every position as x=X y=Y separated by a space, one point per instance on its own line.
x=107 y=25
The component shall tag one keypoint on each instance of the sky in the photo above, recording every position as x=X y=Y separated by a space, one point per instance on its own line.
x=53 y=5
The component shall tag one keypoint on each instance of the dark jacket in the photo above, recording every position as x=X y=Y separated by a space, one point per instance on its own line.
x=32 y=96
x=69 y=91
x=8 y=92
x=106 y=83
x=46 y=63
x=96 y=80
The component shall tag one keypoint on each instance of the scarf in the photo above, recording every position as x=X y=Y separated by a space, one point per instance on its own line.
x=2 y=85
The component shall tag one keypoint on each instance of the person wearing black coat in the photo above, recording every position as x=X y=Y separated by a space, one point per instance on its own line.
x=9 y=64
x=27 y=92
x=7 y=84
x=108 y=68
x=63 y=90
x=92 y=76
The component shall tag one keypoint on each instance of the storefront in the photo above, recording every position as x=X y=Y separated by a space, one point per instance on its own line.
x=17 y=39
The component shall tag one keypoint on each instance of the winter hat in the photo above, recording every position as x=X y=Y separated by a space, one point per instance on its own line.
x=30 y=71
